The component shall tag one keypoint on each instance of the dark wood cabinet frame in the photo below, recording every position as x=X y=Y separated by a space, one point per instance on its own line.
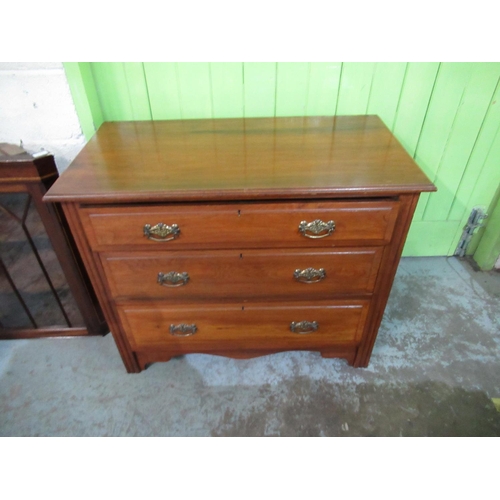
x=21 y=172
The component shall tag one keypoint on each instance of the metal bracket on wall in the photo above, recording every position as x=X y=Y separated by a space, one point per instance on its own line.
x=475 y=221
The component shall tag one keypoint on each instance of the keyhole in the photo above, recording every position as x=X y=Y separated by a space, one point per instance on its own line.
x=239 y=213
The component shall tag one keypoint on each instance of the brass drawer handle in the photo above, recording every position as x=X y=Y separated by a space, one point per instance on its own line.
x=173 y=279
x=183 y=330
x=316 y=229
x=309 y=275
x=304 y=327
x=161 y=232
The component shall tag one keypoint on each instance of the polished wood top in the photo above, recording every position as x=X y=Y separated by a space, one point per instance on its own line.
x=242 y=158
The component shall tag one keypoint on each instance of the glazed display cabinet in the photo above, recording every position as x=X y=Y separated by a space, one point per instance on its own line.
x=44 y=288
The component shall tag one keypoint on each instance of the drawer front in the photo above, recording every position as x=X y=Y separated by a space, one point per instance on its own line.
x=246 y=274
x=252 y=325
x=259 y=225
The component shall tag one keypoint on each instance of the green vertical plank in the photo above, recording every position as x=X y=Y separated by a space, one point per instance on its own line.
x=195 y=91
x=414 y=102
x=488 y=250
x=83 y=91
x=420 y=209
x=487 y=184
x=324 y=82
x=386 y=90
x=443 y=107
x=428 y=238
x=467 y=124
x=467 y=196
x=355 y=86
x=137 y=90
x=259 y=80
x=163 y=90
x=93 y=98
x=227 y=89
x=112 y=89
x=122 y=91
x=416 y=93
x=292 y=88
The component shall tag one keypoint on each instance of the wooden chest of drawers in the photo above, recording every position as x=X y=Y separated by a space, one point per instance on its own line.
x=242 y=237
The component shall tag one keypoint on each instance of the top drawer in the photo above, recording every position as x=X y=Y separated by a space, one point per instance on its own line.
x=237 y=225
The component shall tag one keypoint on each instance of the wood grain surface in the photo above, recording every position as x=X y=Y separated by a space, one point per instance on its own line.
x=230 y=225
x=243 y=275
x=233 y=325
x=252 y=158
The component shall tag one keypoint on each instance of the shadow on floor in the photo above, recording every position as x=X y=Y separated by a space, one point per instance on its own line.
x=316 y=408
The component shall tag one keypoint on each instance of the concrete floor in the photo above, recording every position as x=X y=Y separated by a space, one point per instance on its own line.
x=434 y=371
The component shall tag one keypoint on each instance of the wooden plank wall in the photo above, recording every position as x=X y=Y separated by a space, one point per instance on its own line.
x=446 y=115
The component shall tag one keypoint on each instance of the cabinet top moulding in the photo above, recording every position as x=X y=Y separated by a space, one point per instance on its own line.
x=240 y=159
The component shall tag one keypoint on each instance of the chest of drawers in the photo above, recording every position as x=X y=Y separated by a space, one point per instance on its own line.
x=242 y=237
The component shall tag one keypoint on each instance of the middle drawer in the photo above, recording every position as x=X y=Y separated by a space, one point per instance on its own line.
x=242 y=275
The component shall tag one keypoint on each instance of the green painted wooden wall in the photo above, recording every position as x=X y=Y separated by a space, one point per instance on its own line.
x=488 y=249
x=446 y=115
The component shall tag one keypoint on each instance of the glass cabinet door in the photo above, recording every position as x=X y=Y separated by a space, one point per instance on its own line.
x=34 y=292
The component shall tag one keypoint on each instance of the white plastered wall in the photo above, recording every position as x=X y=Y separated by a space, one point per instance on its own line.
x=37 y=110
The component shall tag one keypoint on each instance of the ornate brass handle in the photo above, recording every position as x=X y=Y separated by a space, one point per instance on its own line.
x=304 y=327
x=309 y=275
x=161 y=232
x=183 y=330
x=316 y=229
x=173 y=279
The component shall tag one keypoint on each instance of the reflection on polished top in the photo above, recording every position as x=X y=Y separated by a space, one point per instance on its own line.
x=243 y=158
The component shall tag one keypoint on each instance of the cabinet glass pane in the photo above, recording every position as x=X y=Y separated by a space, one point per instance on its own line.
x=34 y=292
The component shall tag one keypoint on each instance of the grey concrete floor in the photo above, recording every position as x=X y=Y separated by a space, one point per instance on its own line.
x=434 y=371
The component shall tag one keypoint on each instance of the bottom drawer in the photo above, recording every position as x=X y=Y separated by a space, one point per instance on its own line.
x=251 y=326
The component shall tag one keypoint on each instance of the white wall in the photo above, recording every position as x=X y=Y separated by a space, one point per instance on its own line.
x=36 y=108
